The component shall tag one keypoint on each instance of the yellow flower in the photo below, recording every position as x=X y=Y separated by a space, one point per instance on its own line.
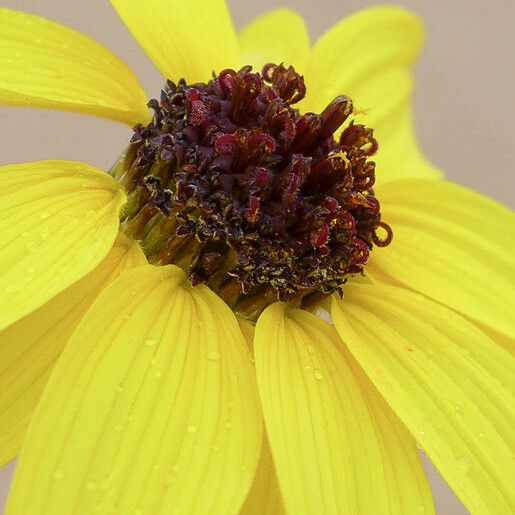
x=157 y=402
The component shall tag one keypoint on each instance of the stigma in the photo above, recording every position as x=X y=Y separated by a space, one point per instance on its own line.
x=260 y=202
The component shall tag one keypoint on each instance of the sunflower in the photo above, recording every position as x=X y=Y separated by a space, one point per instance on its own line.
x=238 y=318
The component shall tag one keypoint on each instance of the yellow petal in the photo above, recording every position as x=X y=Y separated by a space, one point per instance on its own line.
x=59 y=219
x=329 y=453
x=264 y=498
x=279 y=36
x=368 y=56
x=30 y=347
x=151 y=408
x=446 y=380
x=184 y=38
x=453 y=245
x=408 y=486
x=45 y=64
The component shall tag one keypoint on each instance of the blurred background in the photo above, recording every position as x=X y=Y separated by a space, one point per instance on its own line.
x=464 y=103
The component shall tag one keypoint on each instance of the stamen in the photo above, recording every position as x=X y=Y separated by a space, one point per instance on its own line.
x=258 y=201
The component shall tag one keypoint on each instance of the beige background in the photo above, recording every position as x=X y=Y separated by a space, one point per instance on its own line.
x=464 y=104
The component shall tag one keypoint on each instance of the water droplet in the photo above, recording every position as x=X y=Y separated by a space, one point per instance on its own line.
x=464 y=462
x=318 y=375
x=230 y=404
x=213 y=355
x=458 y=409
x=421 y=508
x=481 y=434
x=192 y=429
x=216 y=448
x=32 y=246
x=149 y=342
x=119 y=387
x=228 y=424
x=14 y=287
x=476 y=503
x=44 y=215
x=58 y=474
x=91 y=485
x=158 y=373
x=104 y=485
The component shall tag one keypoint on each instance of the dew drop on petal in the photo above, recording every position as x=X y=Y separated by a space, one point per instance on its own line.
x=58 y=474
x=318 y=375
x=91 y=485
x=213 y=355
x=32 y=246
x=15 y=287
x=464 y=462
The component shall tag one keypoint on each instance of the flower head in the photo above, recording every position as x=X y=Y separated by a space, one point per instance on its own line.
x=183 y=297
x=249 y=196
